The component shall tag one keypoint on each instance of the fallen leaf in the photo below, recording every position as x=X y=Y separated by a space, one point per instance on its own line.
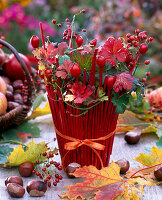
x=31 y=154
x=105 y=184
x=40 y=111
x=4 y=151
x=148 y=160
x=159 y=143
x=39 y=99
x=22 y=132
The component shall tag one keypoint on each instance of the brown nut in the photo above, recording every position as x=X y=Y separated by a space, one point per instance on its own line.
x=9 y=88
x=132 y=137
x=124 y=165
x=15 y=190
x=18 y=97
x=158 y=172
x=71 y=169
x=14 y=179
x=18 y=91
x=9 y=96
x=26 y=169
x=36 y=188
x=11 y=105
x=17 y=84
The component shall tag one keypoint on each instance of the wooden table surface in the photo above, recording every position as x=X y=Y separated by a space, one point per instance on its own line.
x=120 y=150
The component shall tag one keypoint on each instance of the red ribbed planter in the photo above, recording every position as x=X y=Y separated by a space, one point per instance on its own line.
x=98 y=121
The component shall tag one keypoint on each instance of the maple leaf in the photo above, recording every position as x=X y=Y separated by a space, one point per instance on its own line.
x=83 y=58
x=64 y=70
x=19 y=155
x=148 y=160
x=123 y=81
x=113 y=49
x=80 y=92
x=62 y=47
x=22 y=132
x=40 y=111
x=105 y=184
x=96 y=180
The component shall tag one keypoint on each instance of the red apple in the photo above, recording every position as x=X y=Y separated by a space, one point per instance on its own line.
x=3 y=104
x=13 y=68
x=3 y=86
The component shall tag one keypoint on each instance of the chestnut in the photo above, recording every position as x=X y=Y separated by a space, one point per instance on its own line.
x=132 y=137
x=124 y=165
x=14 y=179
x=9 y=96
x=15 y=190
x=17 y=84
x=71 y=169
x=18 y=97
x=26 y=169
x=9 y=87
x=158 y=172
x=36 y=188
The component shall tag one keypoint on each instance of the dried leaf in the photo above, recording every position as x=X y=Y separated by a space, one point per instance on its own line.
x=22 y=132
x=105 y=184
x=4 y=151
x=40 y=111
x=148 y=160
x=19 y=155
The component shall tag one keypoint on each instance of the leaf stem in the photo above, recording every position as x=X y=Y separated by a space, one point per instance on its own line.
x=12 y=142
x=144 y=169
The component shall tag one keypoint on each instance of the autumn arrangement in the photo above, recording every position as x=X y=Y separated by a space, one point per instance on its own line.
x=88 y=86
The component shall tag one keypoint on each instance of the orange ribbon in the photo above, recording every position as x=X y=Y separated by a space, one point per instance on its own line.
x=88 y=142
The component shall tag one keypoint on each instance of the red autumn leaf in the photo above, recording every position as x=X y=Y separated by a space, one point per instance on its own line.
x=64 y=70
x=109 y=192
x=80 y=92
x=62 y=48
x=113 y=49
x=24 y=136
x=123 y=81
x=51 y=51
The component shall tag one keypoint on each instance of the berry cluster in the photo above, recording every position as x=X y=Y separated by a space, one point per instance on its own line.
x=139 y=41
x=47 y=170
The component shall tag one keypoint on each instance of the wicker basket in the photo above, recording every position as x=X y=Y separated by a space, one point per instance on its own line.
x=18 y=114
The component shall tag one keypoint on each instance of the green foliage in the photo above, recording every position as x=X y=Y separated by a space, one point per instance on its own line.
x=4 y=152
x=39 y=99
x=120 y=102
x=61 y=59
x=22 y=132
x=84 y=61
x=159 y=143
x=101 y=95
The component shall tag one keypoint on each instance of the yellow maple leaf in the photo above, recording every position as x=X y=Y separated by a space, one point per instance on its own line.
x=19 y=156
x=41 y=66
x=40 y=111
x=148 y=160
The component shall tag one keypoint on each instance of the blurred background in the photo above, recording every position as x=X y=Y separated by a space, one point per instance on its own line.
x=19 y=20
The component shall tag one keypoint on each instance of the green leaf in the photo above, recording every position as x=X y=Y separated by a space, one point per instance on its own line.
x=61 y=59
x=39 y=99
x=22 y=132
x=159 y=143
x=4 y=152
x=101 y=95
x=84 y=61
x=120 y=102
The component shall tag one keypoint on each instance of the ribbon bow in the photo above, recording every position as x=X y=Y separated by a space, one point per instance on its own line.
x=75 y=143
